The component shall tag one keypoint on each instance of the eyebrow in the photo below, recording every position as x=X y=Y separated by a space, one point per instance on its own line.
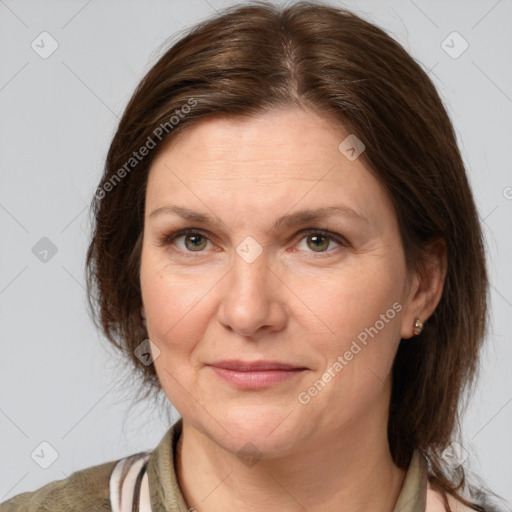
x=289 y=220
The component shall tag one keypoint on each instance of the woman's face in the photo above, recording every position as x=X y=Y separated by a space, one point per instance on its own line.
x=257 y=278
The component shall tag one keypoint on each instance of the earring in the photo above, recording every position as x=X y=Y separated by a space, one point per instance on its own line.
x=418 y=327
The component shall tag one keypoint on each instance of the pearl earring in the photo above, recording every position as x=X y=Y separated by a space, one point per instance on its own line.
x=418 y=327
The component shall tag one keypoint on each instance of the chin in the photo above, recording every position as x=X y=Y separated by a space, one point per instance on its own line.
x=268 y=433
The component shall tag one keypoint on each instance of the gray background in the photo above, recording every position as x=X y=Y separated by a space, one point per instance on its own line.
x=59 y=383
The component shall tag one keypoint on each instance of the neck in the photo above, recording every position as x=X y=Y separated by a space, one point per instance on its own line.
x=354 y=468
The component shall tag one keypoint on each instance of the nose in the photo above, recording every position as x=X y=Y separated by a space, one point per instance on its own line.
x=252 y=298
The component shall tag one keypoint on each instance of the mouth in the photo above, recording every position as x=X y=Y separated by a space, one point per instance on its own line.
x=255 y=374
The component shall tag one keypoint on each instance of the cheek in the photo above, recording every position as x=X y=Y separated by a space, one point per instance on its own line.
x=369 y=322
x=362 y=309
x=176 y=320
x=179 y=306
x=174 y=308
x=353 y=299
x=164 y=305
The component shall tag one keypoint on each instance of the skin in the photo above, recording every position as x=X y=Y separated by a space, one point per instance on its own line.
x=298 y=302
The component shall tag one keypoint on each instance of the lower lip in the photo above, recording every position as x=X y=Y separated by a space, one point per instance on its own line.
x=255 y=379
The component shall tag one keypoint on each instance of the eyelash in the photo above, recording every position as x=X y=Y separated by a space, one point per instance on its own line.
x=169 y=238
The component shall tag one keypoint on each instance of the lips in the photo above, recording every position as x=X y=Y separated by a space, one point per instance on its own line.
x=250 y=366
x=255 y=375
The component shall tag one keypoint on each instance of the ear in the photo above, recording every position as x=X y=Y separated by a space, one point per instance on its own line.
x=425 y=287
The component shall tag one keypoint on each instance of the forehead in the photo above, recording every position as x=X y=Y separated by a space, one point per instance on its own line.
x=259 y=164
x=292 y=139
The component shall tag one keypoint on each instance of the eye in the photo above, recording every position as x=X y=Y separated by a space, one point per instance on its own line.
x=319 y=240
x=193 y=241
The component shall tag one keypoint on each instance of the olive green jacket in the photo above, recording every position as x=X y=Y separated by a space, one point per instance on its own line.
x=91 y=489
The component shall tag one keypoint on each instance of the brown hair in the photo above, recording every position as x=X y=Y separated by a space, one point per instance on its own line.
x=255 y=58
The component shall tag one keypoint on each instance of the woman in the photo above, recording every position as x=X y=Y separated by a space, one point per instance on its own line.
x=286 y=245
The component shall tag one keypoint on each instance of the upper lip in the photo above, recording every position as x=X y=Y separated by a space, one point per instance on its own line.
x=247 y=366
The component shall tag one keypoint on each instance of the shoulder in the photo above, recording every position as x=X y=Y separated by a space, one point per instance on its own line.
x=87 y=489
